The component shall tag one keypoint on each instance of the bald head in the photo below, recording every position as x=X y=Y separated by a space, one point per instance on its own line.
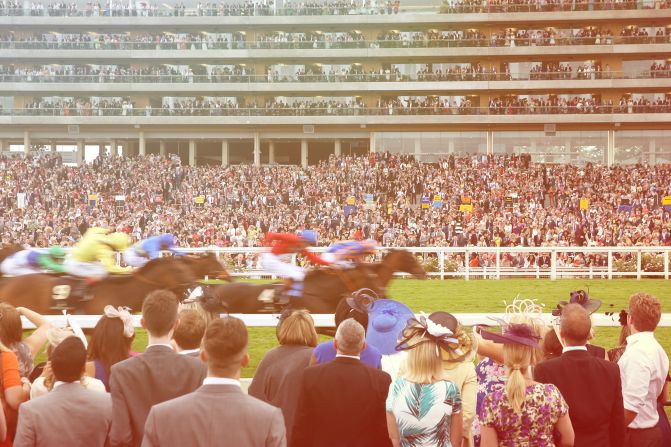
x=575 y=325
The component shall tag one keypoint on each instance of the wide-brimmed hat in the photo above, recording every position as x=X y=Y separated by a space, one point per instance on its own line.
x=513 y=334
x=578 y=297
x=386 y=321
x=453 y=351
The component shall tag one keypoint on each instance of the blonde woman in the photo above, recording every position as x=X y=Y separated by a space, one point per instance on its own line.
x=423 y=409
x=523 y=412
x=277 y=379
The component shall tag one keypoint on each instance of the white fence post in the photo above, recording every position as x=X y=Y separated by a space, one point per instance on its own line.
x=467 y=265
x=441 y=263
x=638 y=264
x=553 y=265
x=498 y=264
x=666 y=265
x=610 y=264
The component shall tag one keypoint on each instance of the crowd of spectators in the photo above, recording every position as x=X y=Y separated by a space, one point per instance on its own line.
x=475 y=6
x=386 y=385
x=117 y=8
x=324 y=40
x=242 y=203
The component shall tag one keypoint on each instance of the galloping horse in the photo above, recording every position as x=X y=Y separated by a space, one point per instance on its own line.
x=36 y=291
x=206 y=265
x=322 y=290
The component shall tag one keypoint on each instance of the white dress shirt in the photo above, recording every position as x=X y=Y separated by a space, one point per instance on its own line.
x=643 y=367
x=220 y=381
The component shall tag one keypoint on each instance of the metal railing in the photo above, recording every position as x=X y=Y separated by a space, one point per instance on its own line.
x=450 y=262
x=334 y=111
x=328 y=8
x=103 y=78
x=200 y=45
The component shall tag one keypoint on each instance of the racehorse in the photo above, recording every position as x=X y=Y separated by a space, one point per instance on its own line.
x=206 y=266
x=322 y=289
x=37 y=291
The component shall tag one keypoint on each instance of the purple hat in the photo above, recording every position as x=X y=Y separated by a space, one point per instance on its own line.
x=386 y=321
x=513 y=334
x=578 y=297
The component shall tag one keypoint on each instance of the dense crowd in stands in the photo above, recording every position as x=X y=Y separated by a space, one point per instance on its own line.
x=388 y=378
x=256 y=200
x=117 y=8
x=316 y=73
x=308 y=106
x=323 y=40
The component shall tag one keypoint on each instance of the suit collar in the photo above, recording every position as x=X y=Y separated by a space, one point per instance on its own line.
x=579 y=353
x=158 y=349
x=70 y=387
x=219 y=389
x=347 y=360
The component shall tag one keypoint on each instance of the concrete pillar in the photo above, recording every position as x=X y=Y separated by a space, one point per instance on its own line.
x=304 y=153
x=450 y=146
x=224 y=152
x=257 y=149
x=192 y=152
x=26 y=141
x=490 y=142
x=337 y=148
x=80 y=152
x=113 y=148
x=142 y=150
x=161 y=148
x=372 y=142
x=53 y=146
x=2 y=146
x=610 y=150
x=653 y=154
x=418 y=148
x=271 y=152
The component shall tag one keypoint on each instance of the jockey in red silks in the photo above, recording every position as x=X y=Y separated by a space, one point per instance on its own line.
x=278 y=260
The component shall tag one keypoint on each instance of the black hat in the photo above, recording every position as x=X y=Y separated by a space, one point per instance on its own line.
x=578 y=297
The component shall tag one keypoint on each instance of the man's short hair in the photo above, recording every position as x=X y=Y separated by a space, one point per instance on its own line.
x=190 y=330
x=350 y=337
x=225 y=344
x=68 y=360
x=645 y=311
x=159 y=312
x=575 y=324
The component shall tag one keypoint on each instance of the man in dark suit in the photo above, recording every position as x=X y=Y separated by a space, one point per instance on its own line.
x=218 y=413
x=342 y=402
x=158 y=375
x=590 y=385
x=69 y=414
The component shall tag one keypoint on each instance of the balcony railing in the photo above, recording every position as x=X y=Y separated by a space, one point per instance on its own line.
x=333 y=111
x=327 y=78
x=94 y=44
x=252 y=9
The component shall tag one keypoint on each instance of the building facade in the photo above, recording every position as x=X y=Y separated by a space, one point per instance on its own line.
x=569 y=82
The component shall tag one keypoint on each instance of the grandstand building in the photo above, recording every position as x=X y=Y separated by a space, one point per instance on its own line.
x=572 y=81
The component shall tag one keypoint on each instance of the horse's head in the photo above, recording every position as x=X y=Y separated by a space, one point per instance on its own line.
x=166 y=273
x=406 y=262
x=207 y=265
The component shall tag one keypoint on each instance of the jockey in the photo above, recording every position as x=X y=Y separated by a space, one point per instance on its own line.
x=150 y=248
x=346 y=254
x=278 y=260
x=34 y=260
x=94 y=255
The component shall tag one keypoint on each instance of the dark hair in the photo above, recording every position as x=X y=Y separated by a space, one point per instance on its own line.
x=108 y=343
x=190 y=330
x=68 y=360
x=552 y=347
x=159 y=312
x=225 y=343
x=11 y=328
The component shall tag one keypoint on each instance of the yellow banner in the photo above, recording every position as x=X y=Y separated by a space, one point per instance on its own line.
x=584 y=204
x=199 y=200
x=666 y=200
x=464 y=208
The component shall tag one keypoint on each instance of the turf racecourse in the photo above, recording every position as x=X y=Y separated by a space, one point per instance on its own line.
x=482 y=296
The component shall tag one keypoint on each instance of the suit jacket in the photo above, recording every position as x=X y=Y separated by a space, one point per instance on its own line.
x=342 y=403
x=68 y=415
x=215 y=415
x=593 y=391
x=138 y=383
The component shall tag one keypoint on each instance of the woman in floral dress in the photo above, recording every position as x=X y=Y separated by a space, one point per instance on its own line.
x=523 y=413
x=423 y=410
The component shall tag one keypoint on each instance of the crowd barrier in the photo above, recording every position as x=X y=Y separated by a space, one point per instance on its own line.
x=326 y=320
x=448 y=262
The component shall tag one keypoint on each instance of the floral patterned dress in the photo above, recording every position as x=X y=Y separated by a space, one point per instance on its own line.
x=543 y=406
x=423 y=411
x=491 y=376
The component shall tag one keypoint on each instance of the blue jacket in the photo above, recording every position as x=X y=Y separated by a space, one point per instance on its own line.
x=152 y=246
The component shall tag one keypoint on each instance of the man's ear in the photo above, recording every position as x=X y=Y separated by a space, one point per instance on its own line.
x=203 y=356
x=335 y=344
x=245 y=360
x=363 y=348
x=142 y=323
